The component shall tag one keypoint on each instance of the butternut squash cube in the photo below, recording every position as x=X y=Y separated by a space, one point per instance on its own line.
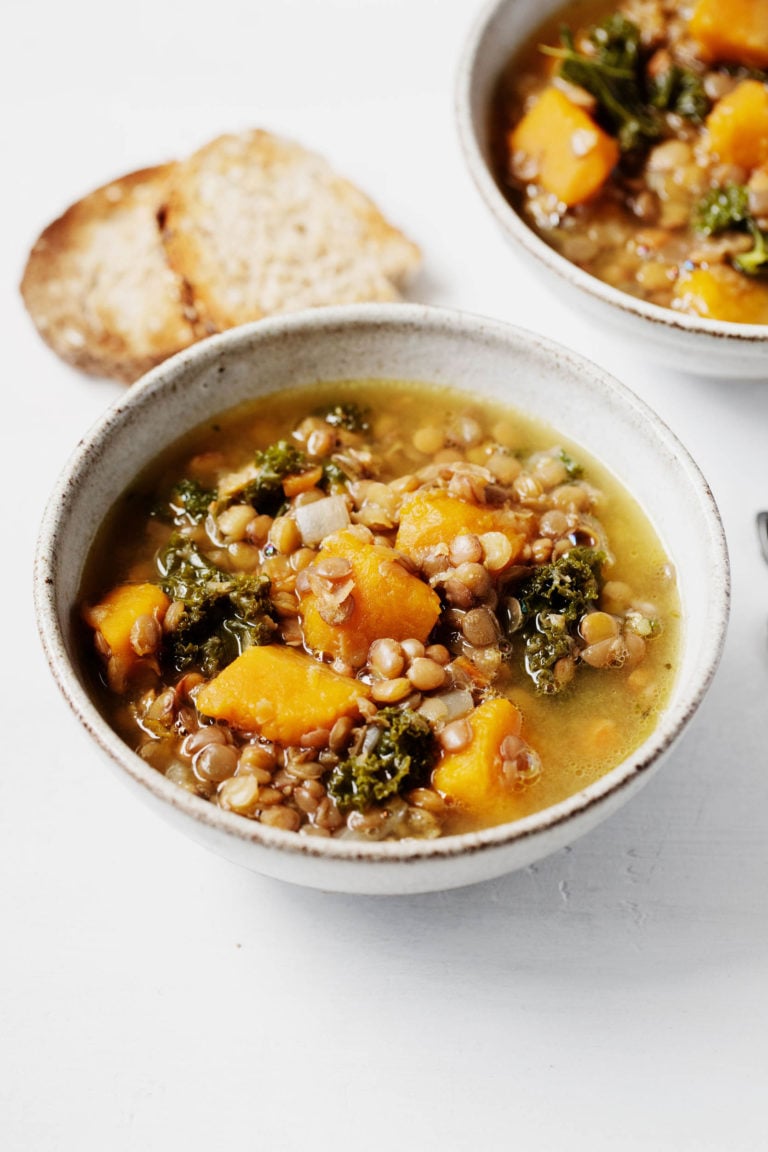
x=722 y=293
x=432 y=518
x=738 y=126
x=280 y=693
x=387 y=601
x=472 y=776
x=115 y=615
x=736 y=31
x=570 y=154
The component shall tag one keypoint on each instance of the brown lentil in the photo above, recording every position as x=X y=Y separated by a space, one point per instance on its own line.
x=464 y=549
x=145 y=635
x=255 y=757
x=233 y=521
x=426 y=675
x=475 y=578
x=439 y=653
x=456 y=735
x=215 y=762
x=174 y=615
x=497 y=551
x=340 y=733
x=281 y=817
x=413 y=648
x=390 y=691
x=386 y=658
x=480 y=627
x=239 y=794
x=209 y=734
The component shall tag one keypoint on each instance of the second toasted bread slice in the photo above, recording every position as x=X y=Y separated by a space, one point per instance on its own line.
x=97 y=284
x=257 y=225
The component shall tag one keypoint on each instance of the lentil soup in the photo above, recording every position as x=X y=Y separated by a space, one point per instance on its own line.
x=379 y=610
x=633 y=138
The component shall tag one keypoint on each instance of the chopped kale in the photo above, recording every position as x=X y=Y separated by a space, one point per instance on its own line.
x=613 y=70
x=553 y=598
x=572 y=467
x=191 y=501
x=682 y=91
x=344 y=415
x=400 y=758
x=613 y=74
x=334 y=476
x=547 y=640
x=756 y=260
x=727 y=208
x=722 y=208
x=265 y=491
x=224 y=612
x=742 y=72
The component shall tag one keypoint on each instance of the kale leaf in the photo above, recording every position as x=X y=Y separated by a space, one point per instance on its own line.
x=727 y=208
x=553 y=598
x=224 y=612
x=400 y=758
x=682 y=91
x=756 y=260
x=613 y=70
x=722 y=208
x=190 y=500
x=334 y=476
x=572 y=467
x=265 y=491
x=344 y=415
x=613 y=74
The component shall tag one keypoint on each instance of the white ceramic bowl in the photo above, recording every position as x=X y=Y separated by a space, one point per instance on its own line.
x=690 y=343
x=406 y=342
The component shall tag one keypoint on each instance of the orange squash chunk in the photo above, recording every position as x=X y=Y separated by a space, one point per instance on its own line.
x=115 y=615
x=472 y=776
x=432 y=518
x=572 y=156
x=738 y=125
x=722 y=293
x=388 y=601
x=280 y=693
x=735 y=31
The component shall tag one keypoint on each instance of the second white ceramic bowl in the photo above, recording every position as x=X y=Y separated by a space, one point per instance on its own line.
x=404 y=342
x=689 y=343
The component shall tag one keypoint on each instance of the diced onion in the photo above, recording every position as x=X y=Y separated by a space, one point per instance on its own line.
x=321 y=519
x=457 y=703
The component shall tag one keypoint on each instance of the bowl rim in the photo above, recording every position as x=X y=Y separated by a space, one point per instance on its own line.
x=401 y=317
x=513 y=225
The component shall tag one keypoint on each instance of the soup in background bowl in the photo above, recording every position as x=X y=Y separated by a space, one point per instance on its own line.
x=377 y=635
x=623 y=147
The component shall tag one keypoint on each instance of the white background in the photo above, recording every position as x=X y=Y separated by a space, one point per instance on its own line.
x=153 y=996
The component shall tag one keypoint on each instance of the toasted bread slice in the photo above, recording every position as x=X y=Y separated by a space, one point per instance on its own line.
x=257 y=225
x=98 y=286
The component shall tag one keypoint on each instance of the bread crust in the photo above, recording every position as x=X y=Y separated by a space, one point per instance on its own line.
x=257 y=225
x=98 y=287
x=248 y=226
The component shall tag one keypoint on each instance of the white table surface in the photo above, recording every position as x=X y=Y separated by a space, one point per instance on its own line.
x=153 y=996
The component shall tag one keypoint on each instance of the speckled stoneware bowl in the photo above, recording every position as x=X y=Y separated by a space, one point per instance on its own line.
x=405 y=342
x=689 y=343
